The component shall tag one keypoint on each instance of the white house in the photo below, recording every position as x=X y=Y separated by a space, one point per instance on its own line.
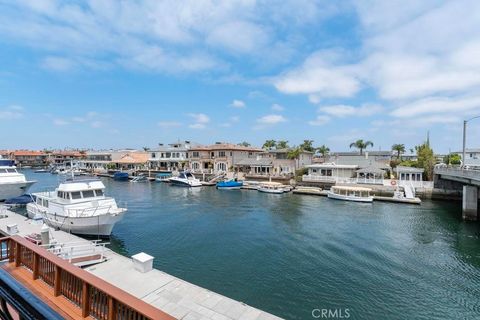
x=330 y=172
x=170 y=157
x=472 y=157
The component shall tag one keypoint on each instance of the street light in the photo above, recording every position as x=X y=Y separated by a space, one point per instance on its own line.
x=465 y=138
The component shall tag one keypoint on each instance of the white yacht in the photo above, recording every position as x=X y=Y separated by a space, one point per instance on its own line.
x=79 y=206
x=357 y=194
x=185 y=179
x=12 y=182
x=272 y=187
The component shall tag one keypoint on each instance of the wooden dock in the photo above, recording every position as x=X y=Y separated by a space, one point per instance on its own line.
x=172 y=295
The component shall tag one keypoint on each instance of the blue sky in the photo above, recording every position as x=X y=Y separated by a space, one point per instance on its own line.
x=101 y=74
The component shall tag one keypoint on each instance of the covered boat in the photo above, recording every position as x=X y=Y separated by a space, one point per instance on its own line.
x=272 y=187
x=347 y=193
x=163 y=177
x=229 y=185
x=120 y=176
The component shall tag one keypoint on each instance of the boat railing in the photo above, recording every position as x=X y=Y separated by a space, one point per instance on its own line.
x=90 y=295
x=88 y=212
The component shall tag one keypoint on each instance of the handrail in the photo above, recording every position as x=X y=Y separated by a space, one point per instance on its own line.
x=117 y=302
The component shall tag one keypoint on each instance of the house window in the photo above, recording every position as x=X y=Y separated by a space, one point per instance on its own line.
x=195 y=154
x=231 y=154
x=153 y=155
x=213 y=154
x=221 y=153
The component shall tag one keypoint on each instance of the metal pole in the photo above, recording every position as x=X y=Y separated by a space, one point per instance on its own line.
x=464 y=141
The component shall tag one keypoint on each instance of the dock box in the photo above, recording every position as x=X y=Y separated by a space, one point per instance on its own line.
x=12 y=229
x=142 y=262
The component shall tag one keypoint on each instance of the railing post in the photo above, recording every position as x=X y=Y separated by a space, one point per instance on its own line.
x=17 y=254
x=57 y=285
x=112 y=308
x=36 y=261
x=85 y=299
x=11 y=253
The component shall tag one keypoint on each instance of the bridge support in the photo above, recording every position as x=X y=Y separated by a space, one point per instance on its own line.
x=470 y=203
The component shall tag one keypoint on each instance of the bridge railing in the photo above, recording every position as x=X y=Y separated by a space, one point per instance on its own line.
x=94 y=296
x=459 y=172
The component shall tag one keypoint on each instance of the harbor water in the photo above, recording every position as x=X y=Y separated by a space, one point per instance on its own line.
x=293 y=254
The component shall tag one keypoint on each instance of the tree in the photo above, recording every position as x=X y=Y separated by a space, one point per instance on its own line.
x=282 y=144
x=294 y=153
x=426 y=159
x=269 y=144
x=307 y=145
x=244 y=144
x=452 y=158
x=399 y=148
x=146 y=149
x=361 y=145
x=323 y=150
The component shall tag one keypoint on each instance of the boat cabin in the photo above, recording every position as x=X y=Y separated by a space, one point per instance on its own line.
x=351 y=191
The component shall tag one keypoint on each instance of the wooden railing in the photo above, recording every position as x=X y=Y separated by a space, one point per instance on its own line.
x=94 y=296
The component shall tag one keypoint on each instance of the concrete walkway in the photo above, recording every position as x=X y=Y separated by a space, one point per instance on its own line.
x=177 y=297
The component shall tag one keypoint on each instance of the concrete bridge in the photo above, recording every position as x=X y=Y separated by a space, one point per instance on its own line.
x=469 y=180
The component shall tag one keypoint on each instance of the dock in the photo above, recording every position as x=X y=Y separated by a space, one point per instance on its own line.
x=174 y=296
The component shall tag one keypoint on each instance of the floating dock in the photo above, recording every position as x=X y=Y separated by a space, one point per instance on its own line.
x=172 y=295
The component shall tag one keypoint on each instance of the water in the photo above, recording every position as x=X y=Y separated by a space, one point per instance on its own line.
x=289 y=254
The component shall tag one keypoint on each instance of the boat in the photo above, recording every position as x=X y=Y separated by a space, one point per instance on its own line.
x=140 y=178
x=229 y=185
x=41 y=171
x=79 y=206
x=19 y=201
x=120 y=176
x=163 y=177
x=185 y=179
x=357 y=194
x=12 y=182
x=271 y=187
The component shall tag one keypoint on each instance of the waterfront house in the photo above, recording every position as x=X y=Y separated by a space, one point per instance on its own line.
x=97 y=161
x=472 y=157
x=64 y=156
x=133 y=161
x=410 y=174
x=24 y=158
x=362 y=160
x=330 y=172
x=171 y=157
x=219 y=157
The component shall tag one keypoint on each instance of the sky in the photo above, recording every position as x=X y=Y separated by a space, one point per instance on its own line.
x=115 y=74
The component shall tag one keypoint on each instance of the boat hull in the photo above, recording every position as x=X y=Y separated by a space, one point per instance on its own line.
x=273 y=191
x=101 y=225
x=14 y=189
x=335 y=196
x=182 y=183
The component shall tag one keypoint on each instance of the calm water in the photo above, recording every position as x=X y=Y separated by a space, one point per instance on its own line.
x=290 y=254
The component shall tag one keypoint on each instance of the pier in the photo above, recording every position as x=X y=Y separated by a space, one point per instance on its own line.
x=112 y=289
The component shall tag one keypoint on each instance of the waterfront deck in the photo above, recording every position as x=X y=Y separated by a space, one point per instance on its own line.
x=178 y=298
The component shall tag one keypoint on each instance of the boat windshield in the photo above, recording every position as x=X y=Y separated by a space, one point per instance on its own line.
x=182 y=176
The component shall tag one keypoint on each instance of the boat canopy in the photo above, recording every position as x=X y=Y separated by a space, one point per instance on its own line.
x=346 y=188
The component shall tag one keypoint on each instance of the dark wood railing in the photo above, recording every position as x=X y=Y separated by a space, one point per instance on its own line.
x=94 y=296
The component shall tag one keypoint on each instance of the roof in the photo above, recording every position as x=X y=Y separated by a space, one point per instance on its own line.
x=332 y=165
x=254 y=162
x=225 y=146
x=473 y=150
x=134 y=157
x=356 y=153
x=371 y=169
x=28 y=153
x=409 y=169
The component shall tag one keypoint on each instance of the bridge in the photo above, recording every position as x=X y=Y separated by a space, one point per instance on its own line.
x=470 y=181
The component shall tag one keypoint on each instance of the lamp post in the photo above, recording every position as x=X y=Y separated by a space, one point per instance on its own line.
x=465 y=138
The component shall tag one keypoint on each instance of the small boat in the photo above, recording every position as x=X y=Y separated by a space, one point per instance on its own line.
x=120 y=176
x=22 y=200
x=185 y=179
x=357 y=194
x=271 y=187
x=41 y=171
x=163 y=177
x=229 y=185
x=77 y=205
x=140 y=178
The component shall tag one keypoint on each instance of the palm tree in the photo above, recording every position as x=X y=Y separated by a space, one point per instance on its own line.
x=146 y=149
x=282 y=144
x=307 y=145
x=399 y=148
x=323 y=150
x=244 y=144
x=269 y=144
x=294 y=153
x=360 y=145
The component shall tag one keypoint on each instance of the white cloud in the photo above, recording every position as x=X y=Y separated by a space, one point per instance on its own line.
x=271 y=119
x=438 y=105
x=238 y=104
x=60 y=122
x=11 y=112
x=168 y=124
x=345 y=110
x=319 y=120
x=200 y=120
x=277 y=107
